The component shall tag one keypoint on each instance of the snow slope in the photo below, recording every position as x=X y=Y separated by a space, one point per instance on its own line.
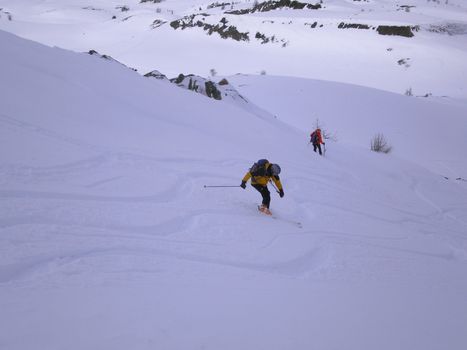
x=110 y=241
x=429 y=132
x=302 y=43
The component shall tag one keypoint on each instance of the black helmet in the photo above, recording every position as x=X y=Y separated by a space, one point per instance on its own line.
x=275 y=169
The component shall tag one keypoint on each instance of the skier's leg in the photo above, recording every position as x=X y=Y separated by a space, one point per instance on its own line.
x=314 y=147
x=266 y=196
x=264 y=193
x=319 y=148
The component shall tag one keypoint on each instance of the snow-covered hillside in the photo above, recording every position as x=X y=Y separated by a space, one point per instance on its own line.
x=427 y=131
x=109 y=240
x=335 y=40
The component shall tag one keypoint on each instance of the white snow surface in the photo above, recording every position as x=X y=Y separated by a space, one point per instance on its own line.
x=109 y=239
x=434 y=61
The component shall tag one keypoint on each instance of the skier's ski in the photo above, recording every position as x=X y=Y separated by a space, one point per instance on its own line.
x=272 y=216
x=264 y=210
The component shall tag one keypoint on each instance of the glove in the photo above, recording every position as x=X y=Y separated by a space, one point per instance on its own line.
x=324 y=143
x=243 y=185
x=281 y=193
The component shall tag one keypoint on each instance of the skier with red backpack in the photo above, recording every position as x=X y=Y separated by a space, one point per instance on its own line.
x=317 y=140
x=261 y=173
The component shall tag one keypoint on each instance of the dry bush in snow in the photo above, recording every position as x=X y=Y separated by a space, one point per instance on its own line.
x=380 y=144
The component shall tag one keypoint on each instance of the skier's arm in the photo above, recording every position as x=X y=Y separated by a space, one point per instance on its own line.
x=278 y=183
x=246 y=177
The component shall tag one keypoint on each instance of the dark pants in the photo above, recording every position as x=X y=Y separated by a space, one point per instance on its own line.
x=317 y=146
x=265 y=193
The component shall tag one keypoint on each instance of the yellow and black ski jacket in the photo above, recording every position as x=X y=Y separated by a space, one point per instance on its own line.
x=261 y=176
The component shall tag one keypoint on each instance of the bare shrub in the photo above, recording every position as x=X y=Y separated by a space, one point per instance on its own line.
x=380 y=144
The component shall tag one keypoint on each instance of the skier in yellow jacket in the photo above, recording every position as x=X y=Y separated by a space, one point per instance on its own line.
x=261 y=173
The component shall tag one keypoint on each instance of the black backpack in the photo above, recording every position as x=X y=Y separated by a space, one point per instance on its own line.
x=258 y=167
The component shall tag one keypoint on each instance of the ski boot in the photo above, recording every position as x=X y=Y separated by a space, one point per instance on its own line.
x=264 y=209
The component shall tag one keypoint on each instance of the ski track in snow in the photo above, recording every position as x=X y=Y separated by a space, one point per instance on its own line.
x=31 y=268
x=27 y=126
x=149 y=234
x=447 y=213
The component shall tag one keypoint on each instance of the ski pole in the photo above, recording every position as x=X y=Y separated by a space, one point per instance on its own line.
x=324 y=149
x=217 y=186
